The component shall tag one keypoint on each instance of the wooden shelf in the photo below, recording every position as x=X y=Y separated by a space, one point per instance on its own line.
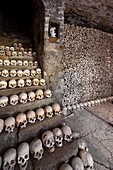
x=17 y=78
x=18 y=67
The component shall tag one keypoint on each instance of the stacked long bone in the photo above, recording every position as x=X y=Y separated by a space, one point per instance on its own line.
x=22 y=119
x=50 y=140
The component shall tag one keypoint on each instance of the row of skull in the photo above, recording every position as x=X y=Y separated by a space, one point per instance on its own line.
x=25 y=97
x=31 y=116
x=20 y=73
x=21 y=83
x=49 y=139
x=18 y=63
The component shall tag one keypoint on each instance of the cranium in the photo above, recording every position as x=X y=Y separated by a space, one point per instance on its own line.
x=30 y=49
x=15 y=45
x=30 y=63
x=3 y=84
x=23 y=98
x=19 y=73
x=26 y=72
x=14 y=99
x=77 y=164
x=13 y=62
x=1 y=125
x=23 y=155
x=13 y=73
x=1 y=62
x=7 y=48
x=82 y=145
x=21 y=120
x=34 y=54
x=40 y=114
x=12 y=84
x=48 y=111
x=28 y=82
x=19 y=53
x=11 y=49
x=29 y=53
x=38 y=71
x=56 y=108
x=39 y=94
x=47 y=93
x=48 y=141
x=19 y=63
x=42 y=82
x=58 y=136
x=2 y=48
x=67 y=133
x=31 y=96
x=8 y=53
x=9 y=124
x=36 y=149
x=25 y=63
x=9 y=159
x=20 y=45
x=6 y=62
x=5 y=73
x=3 y=101
x=35 y=63
x=20 y=83
x=2 y=53
x=14 y=53
x=35 y=82
x=65 y=166
x=25 y=53
x=22 y=49
x=31 y=117
x=33 y=72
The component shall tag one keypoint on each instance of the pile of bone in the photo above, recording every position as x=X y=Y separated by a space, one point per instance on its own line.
x=16 y=50
x=25 y=97
x=49 y=140
x=21 y=83
x=84 y=160
x=22 y=119
x=18 y=63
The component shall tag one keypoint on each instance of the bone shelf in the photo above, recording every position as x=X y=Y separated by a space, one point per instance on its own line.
x=10 y=110
x=9 y=92
x=17 y=67
x=17 y=58
x=17 y=78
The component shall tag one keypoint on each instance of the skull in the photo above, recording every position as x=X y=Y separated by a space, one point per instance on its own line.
x=2 y=48
x=15 y=45
x=58 y=136
x=20 y=83
x=23 y=155
x=9 y=124
x=40 y=114
x=22 y=49
x=65 y=166
x=13 y=73
x=19 y=73
x=48 y=111
x=7 y=48
x=82 y=145
x=13 y=62
x=14 y=99
x=23 y=98
x=87 y=160
x=11 y=49
x=39 y=94
x=29 y=53
x=9 y=159
x=12 y=84
x=30 y=63
x=6 y=62
x=21 y=120
x=31 y=96
x=25 y=63
x=35 y=63
x=28 y=82
x=77 y=164
x=30 y=49
x=31 y=117
x=19 y=63
x=25 y=53
x=42 y=82
x=56 y=109
x=5 y=73
x=26 y=72
x=3 y=101
x=1 y=125
x=47 y=93
x=36 y=149
x=35 y=82
x=48 y=141
x=34 y=54
x=19 y=53
x=38 y=71
x=2 y=53
x=67 y=133
x=8 y=53
x=3 y=84
x=20 y=45
x=33 y=72
x=1 y=62
x=14 y=53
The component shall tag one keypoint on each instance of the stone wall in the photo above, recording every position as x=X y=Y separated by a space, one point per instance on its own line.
x=87 y=65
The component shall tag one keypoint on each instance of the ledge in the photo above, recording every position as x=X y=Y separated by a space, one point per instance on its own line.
x=17 y=67
x=17 y=78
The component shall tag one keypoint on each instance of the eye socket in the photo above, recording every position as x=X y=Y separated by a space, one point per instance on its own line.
x=26 y=156
x=12 y=161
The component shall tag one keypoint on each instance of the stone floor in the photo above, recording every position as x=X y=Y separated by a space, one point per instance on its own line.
x=95 y=125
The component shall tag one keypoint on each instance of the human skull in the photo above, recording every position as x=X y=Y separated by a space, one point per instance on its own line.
x=25 y=53
x=20 y=83
x=42 y=82
x=47 y=93
x=2 y=53
x=9 y=124
x=2 y=48
x=31 y=96
x=82 y=145
x=23 y=98
x=29 y=53
x=56 y=109
x=20 y=45
x=7 y=48
x=30 y=63
x=48 y=141
x=14 y=99
x=22 y=49
x=19 y=63
x=3 y=101
x=14 y=53
x=30 y=49
x=13 y=62
x=3 y=84
x=25 y=63
x=40 y=114
x=28 y=82
x=39 y=94
x=33 y=72
x=34 y=54
x=1 y=62
x=31 y=117
x=11 y=49
x=35 y=82
x=77 y=164
x=8 y=53
x=1 y=125
x=26 y=72
x=19 y=53
x=21 y=120
x=15 y=45
x=9 y=159
x=87 y=160
x=48 y=111
x=35 y=63
x=38 y=71
x=19 y=73
x=36 y=149
x=12 y=84
x=12 y=73
x=5 y=73
x=65 y=166
x=6 y=62
x=67 y=133
x=58 y=136
x=23 y=155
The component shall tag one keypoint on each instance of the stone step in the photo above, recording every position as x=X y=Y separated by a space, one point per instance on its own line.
x=17 y=67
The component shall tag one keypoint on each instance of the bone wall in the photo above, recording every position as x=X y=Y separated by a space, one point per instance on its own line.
x=87 y=65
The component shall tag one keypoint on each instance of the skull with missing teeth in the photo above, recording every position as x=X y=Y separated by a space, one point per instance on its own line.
x=12 y=84
x=56 y=108
x=23 y=98
x=48 y=111
x=40 y=114
x=3 y=101
x=67 y=133
x=39 y=94
x=21 y=120
x=31 y=96
x=58 y=136
x=20 y=83
x=31 y=117
x=14 y=99
x=9 y=124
